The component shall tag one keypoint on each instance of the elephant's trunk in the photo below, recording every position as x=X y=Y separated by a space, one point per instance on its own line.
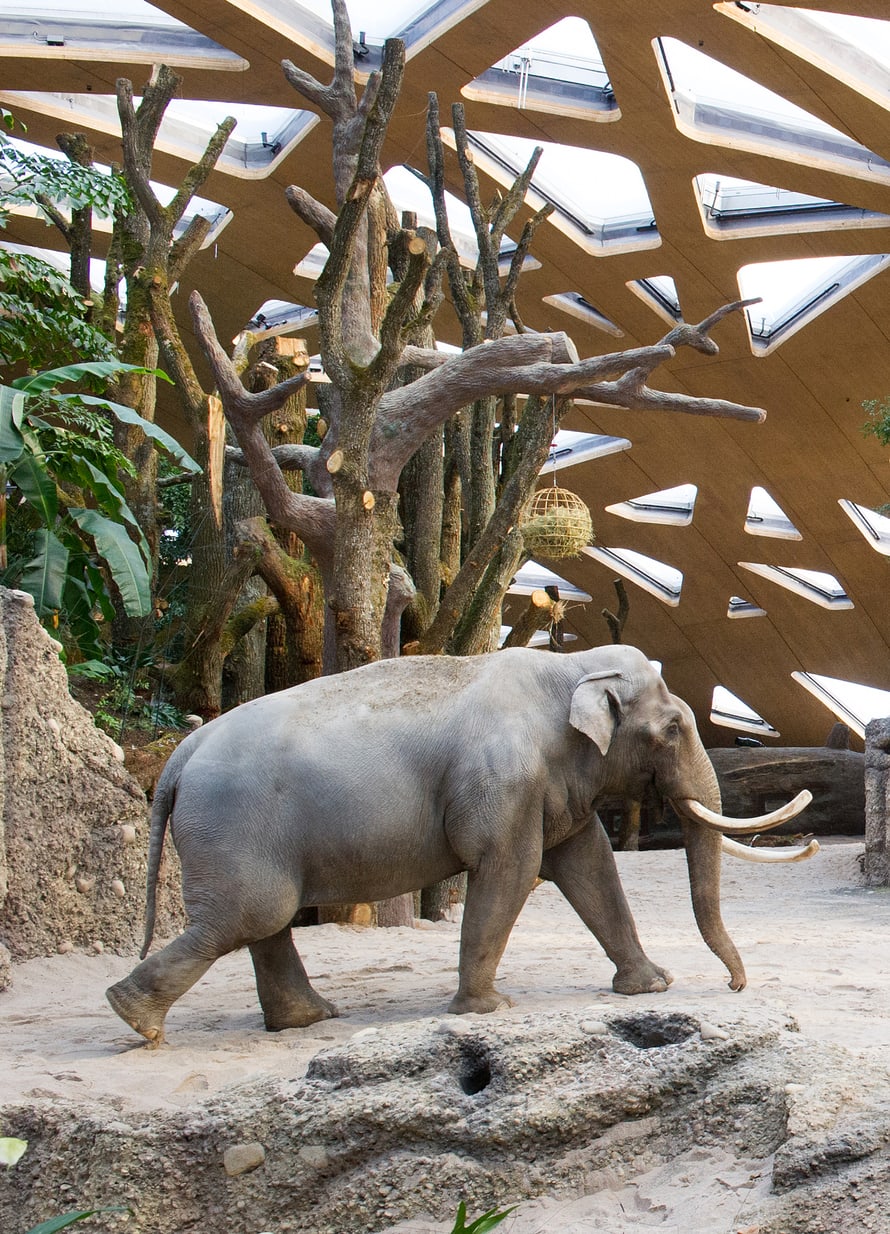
x=703 y=853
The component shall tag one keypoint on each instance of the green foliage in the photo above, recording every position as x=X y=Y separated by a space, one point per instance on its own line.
x=33 y=179
x=482 y=1224
x=42 y=317
x=66 y=486
x=878 y=422
x=65 y=1219
x=129 y=702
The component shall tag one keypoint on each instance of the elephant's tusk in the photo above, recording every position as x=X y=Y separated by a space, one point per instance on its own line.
x=746 y=853
x=744 y=826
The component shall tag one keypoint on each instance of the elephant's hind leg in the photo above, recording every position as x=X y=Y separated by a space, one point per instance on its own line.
x=143 y=999
x=287 y=998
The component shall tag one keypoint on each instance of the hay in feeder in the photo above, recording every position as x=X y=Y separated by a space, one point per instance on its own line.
x=556 y=523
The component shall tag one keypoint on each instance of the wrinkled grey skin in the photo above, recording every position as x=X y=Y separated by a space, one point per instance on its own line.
x=363 y=786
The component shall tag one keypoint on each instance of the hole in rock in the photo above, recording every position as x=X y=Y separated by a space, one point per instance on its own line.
x=475 y=1072
x=649 y=1030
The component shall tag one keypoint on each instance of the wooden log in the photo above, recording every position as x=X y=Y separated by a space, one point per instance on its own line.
x=756 y=779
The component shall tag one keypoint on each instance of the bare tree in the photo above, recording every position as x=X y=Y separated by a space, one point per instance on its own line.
x=378 y=422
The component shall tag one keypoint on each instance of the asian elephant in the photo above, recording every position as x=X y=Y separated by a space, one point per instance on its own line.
x=391 y=777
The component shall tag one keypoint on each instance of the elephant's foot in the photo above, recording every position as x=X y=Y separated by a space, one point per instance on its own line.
x=641 y=977
x=139 y=1010
x=482 y=1004
x=297 y=1013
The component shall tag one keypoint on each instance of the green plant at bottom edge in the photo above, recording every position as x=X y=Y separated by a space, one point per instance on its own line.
x=65 y=1219
x=481 y=1225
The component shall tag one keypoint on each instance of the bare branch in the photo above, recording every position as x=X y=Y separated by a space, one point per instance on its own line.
x=136 y=164
x=288 y=458
x=313 y=213
x=197 y=174
x=246 y=406
x=184 y=249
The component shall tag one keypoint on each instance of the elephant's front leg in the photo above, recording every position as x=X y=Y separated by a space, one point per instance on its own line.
x=497 y=888
x=583 y=868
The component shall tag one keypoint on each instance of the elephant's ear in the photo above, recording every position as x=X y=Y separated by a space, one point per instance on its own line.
x=596 y=710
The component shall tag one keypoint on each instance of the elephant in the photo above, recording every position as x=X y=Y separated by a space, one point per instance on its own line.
x=393 y=776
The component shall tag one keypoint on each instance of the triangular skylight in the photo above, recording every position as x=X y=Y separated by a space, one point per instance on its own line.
x=131 y=32
x=533 y=577
x=734 y=209
x=600 y=199
x=672 y=506
x=309 y=24
x=659 y=291
x=766 y=517
x=714 y=104
x=276 y=317
x=656 y=577
x=729 y=711
x=540 y=638
x=854 y=50
x=559 y=71
x=573 y=303
x=569 y=449
x=853 y=703
x=874 y=526
x=262 y=137
x=739 y=607
x=814 y=585
x=793 y=293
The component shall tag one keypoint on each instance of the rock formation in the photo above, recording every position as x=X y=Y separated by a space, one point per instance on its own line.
x=73 y=822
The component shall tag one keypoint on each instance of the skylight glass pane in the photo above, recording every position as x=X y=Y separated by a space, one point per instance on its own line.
x=814 y=585
x=540 y=638
x=571 y=448
x=854 y=50
x=874 y=526
x=670 y=506
x=656 y=577
x=728 y=711
x=739 y=607
x=276 y=317
x=533 y=577
x=611 y=215
x=766 y=517
x=573 y=303
x=659 y=291
x=559 y=71
x=131 y=31
x=262 y=137
x=793 y=293
x=309 y=23
x=737 y=209
x=714 y=104
x=853 y=703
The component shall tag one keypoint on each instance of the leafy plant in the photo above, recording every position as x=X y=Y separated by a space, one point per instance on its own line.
x=58 y=456
x=482 y=1224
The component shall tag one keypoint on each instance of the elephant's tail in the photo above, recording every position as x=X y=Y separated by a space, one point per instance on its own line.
x=161 y=808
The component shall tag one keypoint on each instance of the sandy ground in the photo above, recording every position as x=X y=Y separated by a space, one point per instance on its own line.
x=813 y=939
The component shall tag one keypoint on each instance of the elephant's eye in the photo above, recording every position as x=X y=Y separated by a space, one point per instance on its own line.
x=672 y=731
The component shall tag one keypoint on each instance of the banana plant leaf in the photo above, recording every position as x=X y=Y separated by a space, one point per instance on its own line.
x=30 y=475
x=44 y=576
x=12 y=405
x=122 y=556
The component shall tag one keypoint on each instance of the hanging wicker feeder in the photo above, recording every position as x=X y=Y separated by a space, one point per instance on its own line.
x=555 y=523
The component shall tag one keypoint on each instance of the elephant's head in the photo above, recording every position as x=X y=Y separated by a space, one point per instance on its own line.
x=649 y=738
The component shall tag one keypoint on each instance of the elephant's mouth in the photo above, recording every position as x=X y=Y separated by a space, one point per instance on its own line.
x=747 y=826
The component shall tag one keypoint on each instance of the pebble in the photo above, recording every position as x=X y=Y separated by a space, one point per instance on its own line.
x=594 y=1028
x=84 y=883
x=66 y=946
x=98 y=946
x=315 y=1155
x=242 y=1158
x=118 y=888
x=710 y=1032
x=128 y=833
